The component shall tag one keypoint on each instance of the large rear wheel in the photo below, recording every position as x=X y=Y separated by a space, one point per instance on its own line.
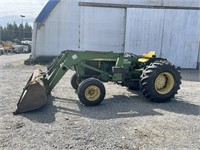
x=160 y=81
x=91 y=92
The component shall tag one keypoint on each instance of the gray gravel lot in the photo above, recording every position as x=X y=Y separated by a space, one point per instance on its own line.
x=124 y=120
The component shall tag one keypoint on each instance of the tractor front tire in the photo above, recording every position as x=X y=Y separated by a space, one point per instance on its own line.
x=91 y=92
x=75 y=81
x=160 y=81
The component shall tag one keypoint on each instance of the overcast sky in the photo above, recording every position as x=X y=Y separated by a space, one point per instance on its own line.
x=10 y=10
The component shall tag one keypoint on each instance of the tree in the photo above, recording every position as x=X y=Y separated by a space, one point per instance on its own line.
x=21 y=28
x=27 y=31
x=4 y=35
x=15 y=33
x=10 y=31
x=1 y=29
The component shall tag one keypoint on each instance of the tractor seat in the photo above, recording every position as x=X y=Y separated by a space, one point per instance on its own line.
x=151 y=54
x=147 y=56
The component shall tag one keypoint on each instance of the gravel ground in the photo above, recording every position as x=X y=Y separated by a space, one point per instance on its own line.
x=124 y=120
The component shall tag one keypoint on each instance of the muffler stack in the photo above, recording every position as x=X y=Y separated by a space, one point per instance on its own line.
x=34 y=94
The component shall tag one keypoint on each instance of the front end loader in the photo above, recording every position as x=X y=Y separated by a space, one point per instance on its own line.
x=157 y=78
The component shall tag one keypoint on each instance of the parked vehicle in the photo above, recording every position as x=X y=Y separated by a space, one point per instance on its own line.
x=157 y=78
x=2 y=51
x=21 y=49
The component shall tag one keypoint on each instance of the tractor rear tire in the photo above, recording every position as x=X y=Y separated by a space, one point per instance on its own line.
x=91 y=92
x=160 y=81
x=75 y=81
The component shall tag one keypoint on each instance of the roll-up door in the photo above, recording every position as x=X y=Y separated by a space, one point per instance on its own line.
x=102 y=29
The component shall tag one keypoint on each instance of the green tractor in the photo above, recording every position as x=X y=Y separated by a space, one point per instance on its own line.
x=157 y=78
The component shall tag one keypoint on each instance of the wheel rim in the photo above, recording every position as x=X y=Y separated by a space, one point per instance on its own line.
x=92 y=93
x=164 y=83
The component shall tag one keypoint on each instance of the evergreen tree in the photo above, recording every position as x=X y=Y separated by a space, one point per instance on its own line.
x=21 y=31
x=27 y=31
x=15 y=33
x=10 y=31
x=4 y=34
x=1 y=29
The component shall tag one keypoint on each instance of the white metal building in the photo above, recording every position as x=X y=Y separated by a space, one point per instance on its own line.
x=169 y=27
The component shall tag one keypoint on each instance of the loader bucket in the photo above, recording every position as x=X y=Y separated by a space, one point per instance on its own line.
x=34 y=94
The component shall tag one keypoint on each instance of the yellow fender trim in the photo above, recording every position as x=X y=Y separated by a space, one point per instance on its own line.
x=143 y=60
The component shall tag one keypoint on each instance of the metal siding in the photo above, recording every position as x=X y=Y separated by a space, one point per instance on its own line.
x=144 y=30
x=199 y=55
x=199 y=37
x=135 y=2
x=102 y=29
x=51 y=36
x=69 y=26
x=39 y=39
x=181 y=37
x=67 y=15
x=62 y=28
x=186 y=3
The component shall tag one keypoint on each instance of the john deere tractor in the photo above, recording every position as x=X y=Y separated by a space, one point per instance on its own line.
x=157 y=78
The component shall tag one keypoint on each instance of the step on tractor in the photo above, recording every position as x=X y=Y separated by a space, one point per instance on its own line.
x=157 y=78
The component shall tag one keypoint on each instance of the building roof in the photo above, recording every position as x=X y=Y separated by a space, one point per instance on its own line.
x=51 y=4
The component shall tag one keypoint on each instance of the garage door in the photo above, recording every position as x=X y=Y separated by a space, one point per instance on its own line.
x=181 y=37
x=144 y=30
x=102 y=29
x=173 y=34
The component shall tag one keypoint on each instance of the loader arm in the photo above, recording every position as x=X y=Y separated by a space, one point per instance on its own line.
x=69 y=59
